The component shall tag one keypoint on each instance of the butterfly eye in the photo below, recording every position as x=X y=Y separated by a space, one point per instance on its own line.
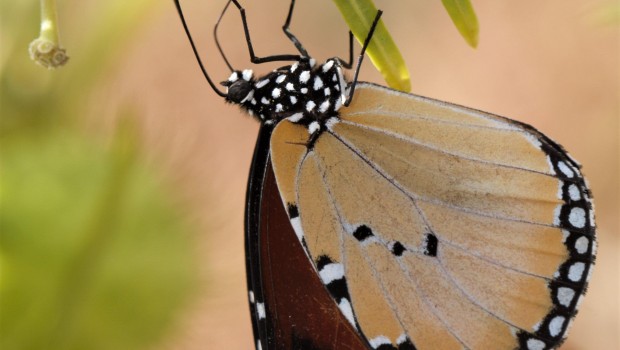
x=239 y=91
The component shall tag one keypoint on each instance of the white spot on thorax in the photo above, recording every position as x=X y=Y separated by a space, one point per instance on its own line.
x=327 y=66
x=341 y=82
x=310 y=106
x=318 y=83
x=233 y=77
x=312 y=62
x=314 y=127
x=577 y=217
x=304 y=90
x=290 y=86
x=247 y=74
x=324 y=106
x=293 y=99
x=264 y=101
x=262 y=83
x=304 y=76
x=294 y=118
x=327 y=91
x=275 y=93
x=294 y=67
x=280 y=78
x=279 y=108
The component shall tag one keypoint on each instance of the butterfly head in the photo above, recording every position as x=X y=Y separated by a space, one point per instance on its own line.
x=240 y=86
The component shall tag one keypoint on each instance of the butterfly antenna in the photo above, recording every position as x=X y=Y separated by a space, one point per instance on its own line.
x=191 y=41
x=217 y=41
x=361 y=56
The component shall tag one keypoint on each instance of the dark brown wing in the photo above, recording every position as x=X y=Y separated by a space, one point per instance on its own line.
x=290 y=307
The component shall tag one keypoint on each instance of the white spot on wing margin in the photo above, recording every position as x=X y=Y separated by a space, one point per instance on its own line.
x=299 y=232
x=260 y=310
x=345 y=307
x=378 y=341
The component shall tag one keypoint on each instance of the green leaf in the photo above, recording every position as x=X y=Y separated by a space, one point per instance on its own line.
x=464 y=18
x=359 y=15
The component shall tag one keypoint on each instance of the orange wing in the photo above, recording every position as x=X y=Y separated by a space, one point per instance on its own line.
x=437 y=226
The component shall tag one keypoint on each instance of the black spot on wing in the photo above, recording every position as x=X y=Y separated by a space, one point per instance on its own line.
x=337 y=287
x=397 y=248
x=292 y=210
x=430 y=248
x=362 y=233
x=406 y=345
x=322 y=261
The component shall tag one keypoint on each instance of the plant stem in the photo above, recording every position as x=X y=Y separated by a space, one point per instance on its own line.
x=49 y=20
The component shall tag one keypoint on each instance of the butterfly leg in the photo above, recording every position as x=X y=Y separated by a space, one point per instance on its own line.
x=292 y=36
x=253 y=57
x=361 y=56
x=286 y=28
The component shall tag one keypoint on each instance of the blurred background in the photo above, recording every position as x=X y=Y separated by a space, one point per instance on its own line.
x=123 y=175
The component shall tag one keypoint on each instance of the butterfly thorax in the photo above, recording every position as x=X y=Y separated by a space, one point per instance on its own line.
x=303 y=92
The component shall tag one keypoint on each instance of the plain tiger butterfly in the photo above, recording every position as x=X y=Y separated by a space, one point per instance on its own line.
x=378 y=219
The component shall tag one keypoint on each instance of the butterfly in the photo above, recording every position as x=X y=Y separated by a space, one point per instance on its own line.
x=377 y=219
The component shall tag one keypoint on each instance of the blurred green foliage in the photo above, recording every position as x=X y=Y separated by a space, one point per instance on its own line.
x=382 y=51
x=94 y=253
x=464 y=18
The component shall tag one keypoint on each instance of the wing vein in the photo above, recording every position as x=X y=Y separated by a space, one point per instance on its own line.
x=415 y=197
x=424 y=297
x=472 y=299
x=436 y=149
x=434 y=120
